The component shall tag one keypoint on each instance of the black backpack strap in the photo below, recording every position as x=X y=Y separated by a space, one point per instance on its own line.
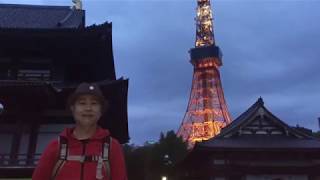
x=63 y=153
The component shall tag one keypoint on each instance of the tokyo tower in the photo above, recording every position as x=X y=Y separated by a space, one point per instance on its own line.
x=207 y=112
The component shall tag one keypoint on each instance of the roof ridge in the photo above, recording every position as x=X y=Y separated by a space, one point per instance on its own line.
x=40 y=16
x=258 y=103
x=34 y=6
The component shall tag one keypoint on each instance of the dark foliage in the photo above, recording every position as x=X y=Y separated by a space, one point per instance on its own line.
x=316 y=134
x=153 y=160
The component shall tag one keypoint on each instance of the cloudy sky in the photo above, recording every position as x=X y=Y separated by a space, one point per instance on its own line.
x=271 y=49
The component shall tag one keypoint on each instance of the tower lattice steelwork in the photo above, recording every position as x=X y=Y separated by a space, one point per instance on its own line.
x=207 y=111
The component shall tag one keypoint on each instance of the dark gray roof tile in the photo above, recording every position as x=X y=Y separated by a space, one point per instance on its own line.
x=36 y=16
x=262 y=142
x=230 y=138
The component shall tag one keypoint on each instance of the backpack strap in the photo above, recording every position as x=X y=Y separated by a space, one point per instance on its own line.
x=104 y=159
x=63 y=153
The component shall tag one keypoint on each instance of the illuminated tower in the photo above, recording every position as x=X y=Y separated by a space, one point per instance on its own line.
x=207 y=111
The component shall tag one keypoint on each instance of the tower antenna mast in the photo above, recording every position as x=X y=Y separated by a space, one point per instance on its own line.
x=207 y=111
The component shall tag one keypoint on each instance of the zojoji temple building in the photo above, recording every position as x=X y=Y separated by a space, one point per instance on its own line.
x=45 y=52
x=255 y=146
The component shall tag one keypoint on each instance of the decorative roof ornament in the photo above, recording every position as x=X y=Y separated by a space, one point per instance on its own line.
x=77 y=4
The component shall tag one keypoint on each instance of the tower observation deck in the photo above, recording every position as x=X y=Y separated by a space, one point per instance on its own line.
x=207 y=112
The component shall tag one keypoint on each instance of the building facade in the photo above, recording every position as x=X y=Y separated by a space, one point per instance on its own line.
x=255 y=146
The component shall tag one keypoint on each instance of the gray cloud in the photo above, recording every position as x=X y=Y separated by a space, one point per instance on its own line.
x=271 y=49
x=274 y=54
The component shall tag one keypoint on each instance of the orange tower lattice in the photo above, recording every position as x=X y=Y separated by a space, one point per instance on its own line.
x=207 y=112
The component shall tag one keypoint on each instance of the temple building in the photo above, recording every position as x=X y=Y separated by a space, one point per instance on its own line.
x=255 y=146
x=45 y=52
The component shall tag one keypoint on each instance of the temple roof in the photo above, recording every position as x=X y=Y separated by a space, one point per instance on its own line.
x=41 y=17
x=39 y=96
x=258 y=128
x=85 y=52
x=262 y=142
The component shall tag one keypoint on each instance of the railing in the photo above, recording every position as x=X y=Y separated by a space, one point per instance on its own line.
x=28 y=74
x=21 y=160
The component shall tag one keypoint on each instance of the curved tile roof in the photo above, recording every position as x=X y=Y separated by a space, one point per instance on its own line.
x=42 y=17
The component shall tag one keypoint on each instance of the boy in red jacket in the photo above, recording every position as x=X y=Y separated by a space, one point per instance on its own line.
x=85 y=152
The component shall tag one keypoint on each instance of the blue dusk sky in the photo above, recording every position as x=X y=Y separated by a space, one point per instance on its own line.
x=271 y=49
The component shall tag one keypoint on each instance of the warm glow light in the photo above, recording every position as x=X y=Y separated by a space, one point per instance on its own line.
x=204 y=24
x=1 y=108
x=164 y=178
x=205 y=130
x=207 y=111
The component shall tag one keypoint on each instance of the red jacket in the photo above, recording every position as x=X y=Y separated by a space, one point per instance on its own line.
x=71 y=170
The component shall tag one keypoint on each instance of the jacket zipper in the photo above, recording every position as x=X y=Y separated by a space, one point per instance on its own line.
x=84 y=143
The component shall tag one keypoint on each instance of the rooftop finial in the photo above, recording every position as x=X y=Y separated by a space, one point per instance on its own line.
x=77 y=4
x=260 y=100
